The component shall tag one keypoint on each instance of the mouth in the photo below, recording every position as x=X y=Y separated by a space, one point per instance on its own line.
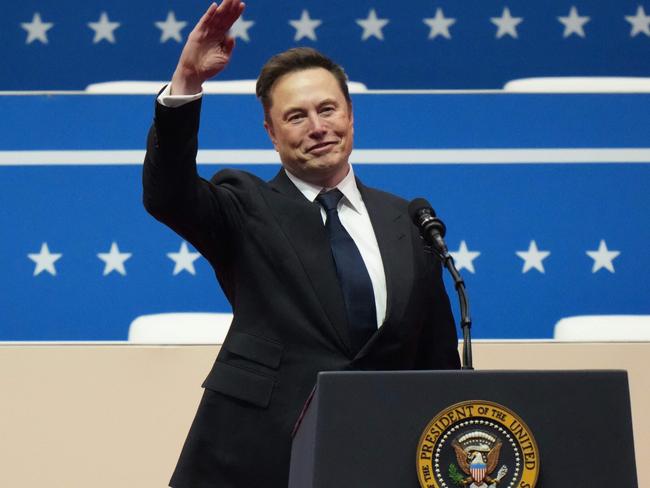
x=321 y=147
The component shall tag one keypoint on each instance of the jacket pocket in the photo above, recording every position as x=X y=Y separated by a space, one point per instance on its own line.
x=262 y=351
x=240 y=383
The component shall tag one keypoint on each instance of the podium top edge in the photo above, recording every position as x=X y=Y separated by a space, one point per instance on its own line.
x=499 y=372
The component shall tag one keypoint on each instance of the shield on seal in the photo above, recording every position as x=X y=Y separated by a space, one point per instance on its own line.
x=477 y=468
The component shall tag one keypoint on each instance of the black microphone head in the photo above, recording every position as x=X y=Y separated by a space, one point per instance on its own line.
x=417 y=206
x=424 y=217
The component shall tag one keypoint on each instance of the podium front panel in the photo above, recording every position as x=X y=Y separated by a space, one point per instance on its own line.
x=364 y=427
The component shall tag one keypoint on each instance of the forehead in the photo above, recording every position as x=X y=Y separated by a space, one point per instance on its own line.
x=305 y=86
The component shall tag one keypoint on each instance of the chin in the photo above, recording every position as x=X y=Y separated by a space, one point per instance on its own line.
x=329 y=167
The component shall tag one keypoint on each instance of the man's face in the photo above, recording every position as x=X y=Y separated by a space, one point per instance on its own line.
x=311 y=126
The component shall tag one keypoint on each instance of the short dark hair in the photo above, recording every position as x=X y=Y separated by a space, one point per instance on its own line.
x=295 y=59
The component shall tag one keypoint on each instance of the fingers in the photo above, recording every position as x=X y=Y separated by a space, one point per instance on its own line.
x=228 y=12
x=218 y=19
x=207 y=16
x=225 y=8
x=225 y=5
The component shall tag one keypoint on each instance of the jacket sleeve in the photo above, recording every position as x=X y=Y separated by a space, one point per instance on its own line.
x=438 y=348
x=201 y=212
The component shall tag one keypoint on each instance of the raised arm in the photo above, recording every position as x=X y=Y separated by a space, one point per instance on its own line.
x=208 y=48
x=174 y=193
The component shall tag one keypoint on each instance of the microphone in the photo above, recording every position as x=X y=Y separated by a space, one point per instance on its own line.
x=433 y=230
x=431 y=227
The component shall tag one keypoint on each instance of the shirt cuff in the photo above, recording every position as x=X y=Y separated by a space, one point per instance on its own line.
x=166 y=99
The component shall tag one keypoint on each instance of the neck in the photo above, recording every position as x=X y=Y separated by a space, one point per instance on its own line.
x=324 y=180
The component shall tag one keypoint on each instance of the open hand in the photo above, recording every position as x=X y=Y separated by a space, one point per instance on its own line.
x=208 y=47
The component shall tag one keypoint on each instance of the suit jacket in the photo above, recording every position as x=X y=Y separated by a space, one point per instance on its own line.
x=272 y=257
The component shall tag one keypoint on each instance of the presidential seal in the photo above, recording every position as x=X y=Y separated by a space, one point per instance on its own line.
x=477 y=444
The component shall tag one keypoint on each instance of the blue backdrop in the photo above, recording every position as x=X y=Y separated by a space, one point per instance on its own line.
x=386 y=44
x=565 y=171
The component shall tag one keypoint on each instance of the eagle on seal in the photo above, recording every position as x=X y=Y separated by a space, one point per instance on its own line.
x=478 y=466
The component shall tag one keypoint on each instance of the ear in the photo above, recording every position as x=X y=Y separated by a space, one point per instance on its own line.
x=269 y=130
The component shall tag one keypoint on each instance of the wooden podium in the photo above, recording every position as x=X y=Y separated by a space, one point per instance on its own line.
x=367 y=429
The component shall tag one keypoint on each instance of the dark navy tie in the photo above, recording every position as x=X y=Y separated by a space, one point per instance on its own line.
x=352 y=272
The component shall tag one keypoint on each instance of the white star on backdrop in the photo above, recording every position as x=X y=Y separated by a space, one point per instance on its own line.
x=464 y=258
x=104 y=29
x=184 y=259
x=240 y=28
x=640 y=22
x=533 y=258
x=506 y=24
x=171 y=28
x=372 y=26
x=439 y=25
x=114 y=260
x=36 y=29
x=305 y=26
x=603 y=257
x=574 y=23
x=44 y=260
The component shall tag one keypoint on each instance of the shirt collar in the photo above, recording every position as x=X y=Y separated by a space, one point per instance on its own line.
x=347 y=186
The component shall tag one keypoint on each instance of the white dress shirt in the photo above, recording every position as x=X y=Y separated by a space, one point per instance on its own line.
x=166 y=98
x=352 y=212
x=354 y=217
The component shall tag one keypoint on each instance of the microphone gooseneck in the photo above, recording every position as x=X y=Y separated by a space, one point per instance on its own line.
x=433 y=231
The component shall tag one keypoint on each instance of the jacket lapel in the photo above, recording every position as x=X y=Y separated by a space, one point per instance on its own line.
x=393 y=232
x=302 y=224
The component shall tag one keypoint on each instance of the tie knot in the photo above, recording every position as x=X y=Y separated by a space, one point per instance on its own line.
x=329 y=200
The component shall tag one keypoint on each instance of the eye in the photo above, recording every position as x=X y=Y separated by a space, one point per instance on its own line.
x=295 y=118
x=327 y=110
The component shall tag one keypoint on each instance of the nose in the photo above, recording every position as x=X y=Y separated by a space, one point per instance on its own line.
x=317 y=128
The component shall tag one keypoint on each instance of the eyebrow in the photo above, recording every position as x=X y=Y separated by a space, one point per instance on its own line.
x=328 y=100
x=291 y=110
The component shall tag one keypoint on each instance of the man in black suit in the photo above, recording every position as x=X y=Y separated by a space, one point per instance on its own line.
x=322 y=272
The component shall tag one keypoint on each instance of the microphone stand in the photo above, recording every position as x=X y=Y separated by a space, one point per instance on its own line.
x=465 y=320
x=432 y=230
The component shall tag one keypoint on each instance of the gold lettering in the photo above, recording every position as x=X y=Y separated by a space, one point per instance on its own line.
x=463 y=412
x=427 y=473
x=425 y=452
x=530 y=461
x=498 y=415
x=519 y=432
x=528 y=446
